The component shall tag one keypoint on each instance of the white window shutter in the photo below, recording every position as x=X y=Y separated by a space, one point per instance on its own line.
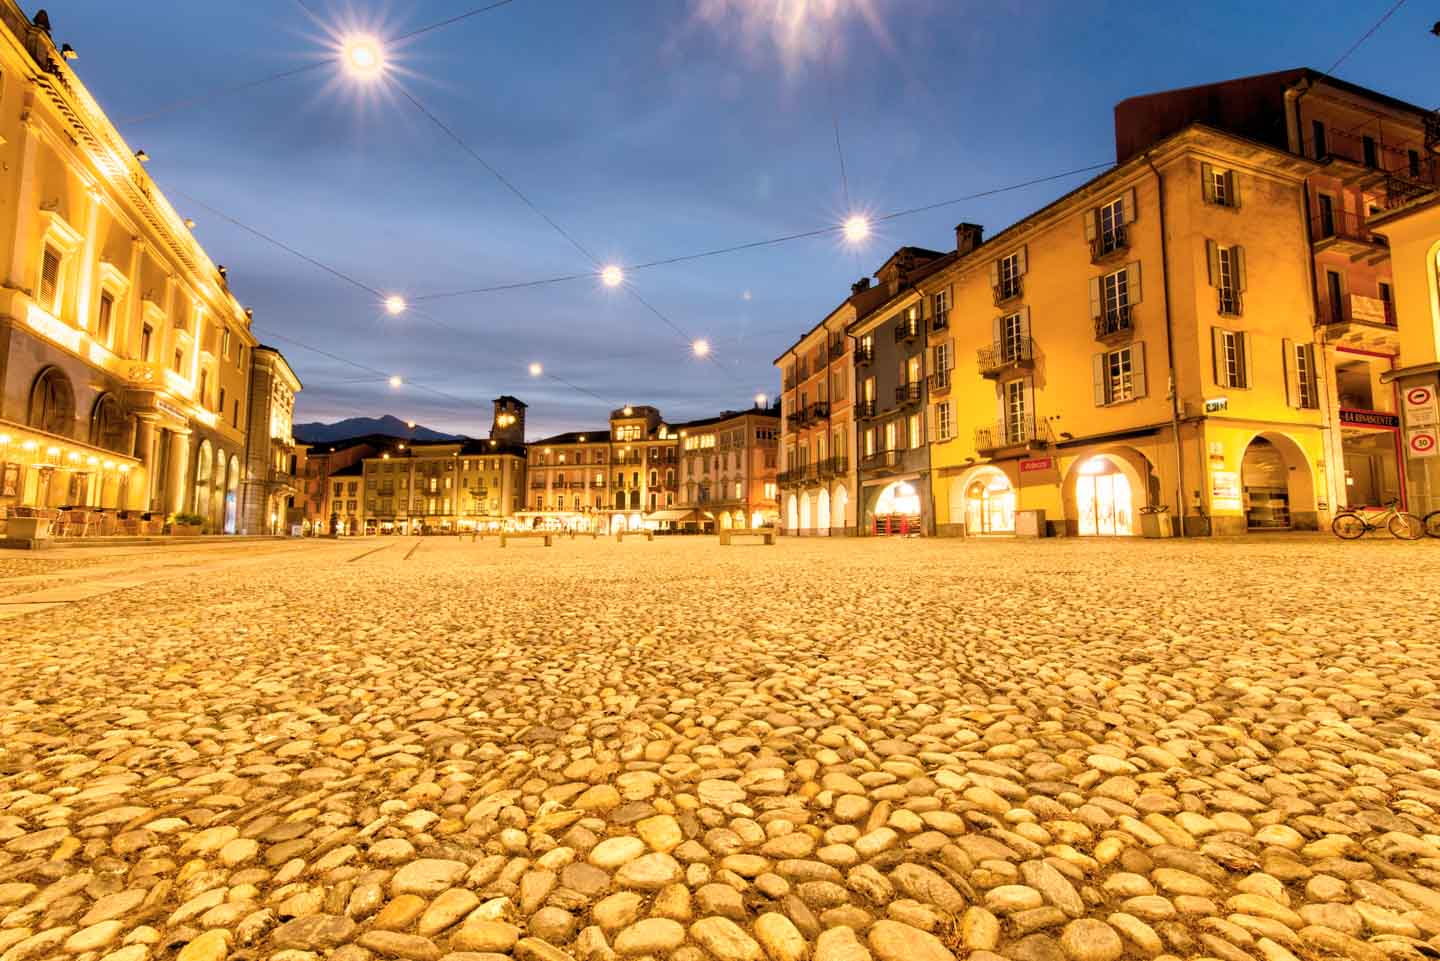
x=1238 y=254
x=929 y=360
x=1023 y=259
x=1246 y=366
x=1232 y=186
x=930 y=421
x=950 y=354
x=1024 y=323
x=1292 y=374
x=1097 y=370
x=1212 y=261
x=996 y=329
x=1127 y=205
x=1095 y=298
x=1137 y=369
x=1132 y=282
x=1207 y=182
x=994 y=273
x=1091 y=217
x=1217 y=356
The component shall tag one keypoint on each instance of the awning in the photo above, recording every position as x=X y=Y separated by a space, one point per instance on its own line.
x=670 y=515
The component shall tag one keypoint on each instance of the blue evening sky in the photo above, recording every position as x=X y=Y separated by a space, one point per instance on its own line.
x=647 y=129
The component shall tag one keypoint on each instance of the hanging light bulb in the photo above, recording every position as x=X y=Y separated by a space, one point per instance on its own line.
x=857 y=228
x=395 y=304
x=536 y=369
x=612 y=276
x=701 y=347
x=364 y=58
x=396 y=381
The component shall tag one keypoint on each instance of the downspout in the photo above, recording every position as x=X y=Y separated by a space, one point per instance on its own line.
x=1170 y=352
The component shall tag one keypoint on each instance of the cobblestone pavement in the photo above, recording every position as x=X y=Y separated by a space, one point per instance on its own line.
x=833 y=751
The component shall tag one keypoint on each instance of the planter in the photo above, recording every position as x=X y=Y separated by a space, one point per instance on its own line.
x=27 y=528
x=185 y=530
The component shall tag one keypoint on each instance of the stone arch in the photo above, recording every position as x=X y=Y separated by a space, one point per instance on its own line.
x=52 y=402
x=1299 y=476
x=840 y=506
x=204 y=467
x=822 y=511
x=792 y=514
x=1139 y=487
x=805 y=515
x=724 y=520
x=983 y=500
x=232 y=495
x=108 y=426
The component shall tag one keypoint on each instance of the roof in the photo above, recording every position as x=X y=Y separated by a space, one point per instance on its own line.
x=910 y=279
x=772 y=411
x=350 y=470
x=864 y=301
x=508 y=398
x=573 y=437
x=375 y=440
x=285 y=364
x=1288 y=78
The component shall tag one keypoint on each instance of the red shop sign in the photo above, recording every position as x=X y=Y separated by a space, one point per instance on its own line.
x=1038 y=463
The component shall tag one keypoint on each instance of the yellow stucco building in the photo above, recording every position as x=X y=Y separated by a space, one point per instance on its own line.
x=1138 y=353
x=125 y=360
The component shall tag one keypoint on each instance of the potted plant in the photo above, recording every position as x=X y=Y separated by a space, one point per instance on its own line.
x=187 y=525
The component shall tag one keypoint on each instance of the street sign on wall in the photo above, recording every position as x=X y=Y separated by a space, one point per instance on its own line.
x=1421 y=442
x=1421 y=409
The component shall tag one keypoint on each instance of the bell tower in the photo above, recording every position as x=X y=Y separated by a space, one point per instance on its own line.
x=508 y=427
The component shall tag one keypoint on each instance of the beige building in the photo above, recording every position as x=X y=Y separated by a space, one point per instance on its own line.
x=125 y=361
x=728 y=471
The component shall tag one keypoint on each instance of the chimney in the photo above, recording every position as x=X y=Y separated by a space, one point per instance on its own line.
x=860 y=286
x=968 y=237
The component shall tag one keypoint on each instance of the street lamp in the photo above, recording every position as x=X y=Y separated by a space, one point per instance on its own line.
x=857 y=228
x=396 y=381
x=612 y=276
x=395 y=304
x=536 y=369
x=363 y=57
x=701 y=347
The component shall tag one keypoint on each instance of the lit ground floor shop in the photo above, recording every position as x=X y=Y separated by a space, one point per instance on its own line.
x=1229 y=477
x=896 y=506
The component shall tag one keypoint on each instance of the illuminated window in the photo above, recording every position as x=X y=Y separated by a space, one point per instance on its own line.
x=50 y=262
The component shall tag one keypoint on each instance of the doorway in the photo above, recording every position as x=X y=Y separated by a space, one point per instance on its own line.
x=1103 y=500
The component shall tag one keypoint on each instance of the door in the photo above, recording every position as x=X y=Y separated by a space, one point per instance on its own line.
x=1327 y=216
x=1103 y=503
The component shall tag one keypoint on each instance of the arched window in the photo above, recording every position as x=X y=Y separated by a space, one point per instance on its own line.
x=107 y=425
x=52 y=402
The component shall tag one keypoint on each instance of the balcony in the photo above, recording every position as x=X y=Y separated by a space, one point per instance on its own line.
x=1228 y=302
x=818 y=411
x=907 y=394
x=1109 y=244
x=1345 y=233
x=833 y=467
x=882 y=460
x=938 y=382
x=1114 y=325
x=1008 y=290
x=906 y=328
x=1358 y=321
x=940 y=321
x=865 y=408
x=1401 y=189
x=1008 y=439
x=837 y=347
x=864 y=353
x=997 y=359
x=537 y=485
x=789 y=382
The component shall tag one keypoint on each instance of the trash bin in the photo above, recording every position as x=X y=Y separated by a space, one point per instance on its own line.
x=1030 y=523
x=1155 y=521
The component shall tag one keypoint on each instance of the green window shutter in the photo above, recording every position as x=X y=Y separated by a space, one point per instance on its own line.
x=1207 y=182
x=1137 y=368
x=1212 y=261
x=1098 y=379
x=1094 y=298
x=1132 y=282
x=1292 y=378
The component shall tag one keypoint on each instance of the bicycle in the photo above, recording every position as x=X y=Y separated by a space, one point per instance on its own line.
x=1432 y=523
x=1352 y=523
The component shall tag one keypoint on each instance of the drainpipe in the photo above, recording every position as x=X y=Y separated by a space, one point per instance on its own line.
x=1170 y=352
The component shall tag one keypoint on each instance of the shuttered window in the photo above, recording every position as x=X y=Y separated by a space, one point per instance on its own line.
x=50 y=278
x=103 y=318
x=1219 y=186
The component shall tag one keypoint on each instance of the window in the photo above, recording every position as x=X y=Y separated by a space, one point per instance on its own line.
x=911 y=371
x=50 y=262
x=940 y=357
x=1005 y=275
x=869 y=442
x=147 y=333
x=1017 y=419
x=917 y=439
x=1335 y=289
x=108 y=427
x=1119 y=375
x=178 y=361
x=1218 y=186
x=1300 y=380
x=1227 y=275
x=1326 y=226
x=1111 y=298
x=944 y=421
x=225 y=344
x=104 y=316
x=1318 y=141
x=1110 y=221
x=940 y=314
x=1012 y=335
x=1231 y=358
x=892 y=435
x=1414 y=156
x=52 y=403
x=1372 y=156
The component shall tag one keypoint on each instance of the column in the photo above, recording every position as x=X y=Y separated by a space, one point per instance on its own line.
x=25 y=205
x=175 y=492
x=127 y=343
x=86 y=274
x=144 y=451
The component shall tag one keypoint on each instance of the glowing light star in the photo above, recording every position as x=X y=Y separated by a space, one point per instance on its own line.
x=396 y=381
x=612 y=276
x=364 y=57
x=410 y=424
x=395 y=305
x=760 y=400
x=701 y=348
x=857 y=228
x=536 y=370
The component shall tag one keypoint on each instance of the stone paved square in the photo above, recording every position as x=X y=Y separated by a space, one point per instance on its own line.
x=421 y=748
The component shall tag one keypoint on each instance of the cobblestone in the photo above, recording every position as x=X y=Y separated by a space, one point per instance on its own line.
x=836 y=751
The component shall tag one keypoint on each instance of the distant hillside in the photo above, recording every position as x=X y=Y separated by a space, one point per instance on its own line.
x=318 y=433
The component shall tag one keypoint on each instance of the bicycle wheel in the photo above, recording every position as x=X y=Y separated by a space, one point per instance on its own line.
x=1349 y=526
x=1432 y=523
x=1407 y=527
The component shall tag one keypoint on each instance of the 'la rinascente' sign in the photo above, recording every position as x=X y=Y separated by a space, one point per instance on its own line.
x=1369 y=418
